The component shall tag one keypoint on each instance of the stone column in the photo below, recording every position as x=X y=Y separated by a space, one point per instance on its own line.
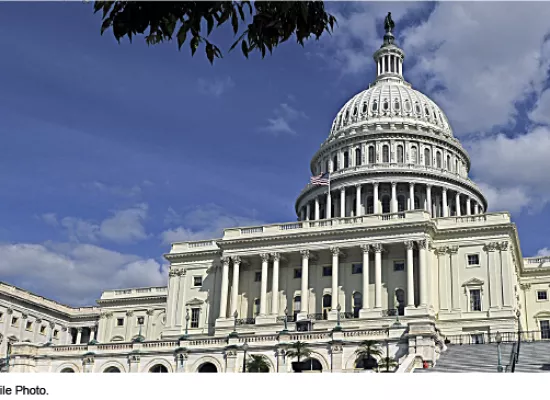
x=365 y=248
x=93 y=332
x=305 y=283
x=411 y=196
x=493 y=269
x=442 y=257
x=375 y=199
x=78 y=335
x=172 y=298
x=409 y=245
x=468 y=206
x=457 y=204
x=455 y=284
x=22 y=324
x=328 y=214
x=302 y=214
x=308 y=210
x=67 y=333
x=275 y=285
x=235 y=285
x=129 y=320
x=342 y=202
x=445 y=204
x=358 y=211
x=393 y=204
x=225 y=287
x=133 y=363
x=180 y=305
x=317 y=213
x=335 y=253
x=476 y=208
x=507 y=276
x=263 y=285
x=429 y=199
x=377 y=275
x=422 y=244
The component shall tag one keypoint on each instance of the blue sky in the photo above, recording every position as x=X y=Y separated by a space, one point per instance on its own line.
x=110 y=151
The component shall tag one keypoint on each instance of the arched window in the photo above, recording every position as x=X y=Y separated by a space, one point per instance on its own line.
x=364 y=108
x=347 y=115
x=358 y=156
x=370 y=205
x=67 y=370
x=385 y=204
x=112 y=369
x=346 y=159
x=407 y=106
x=456 y=166
x=401 y=203
x=414 y=155
x=354 y=111
x=375 y=106
x=417 y=108
x=386 y=105
x=357 y=304
x=400 y=154
x=159 y=368
x=207 y=367
x=396 y=105
x=426 y=111
x=438 y=159
x=449 y=166
x=371 y=155
x=335 y=163
x=256 y=310
x=385 y=153
x=427 y=158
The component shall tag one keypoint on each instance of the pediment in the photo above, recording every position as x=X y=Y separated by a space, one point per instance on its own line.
x=195 y=302
x=542 y=314
x=473 y=282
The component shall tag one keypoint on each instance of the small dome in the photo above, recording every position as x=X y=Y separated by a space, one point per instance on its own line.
x=390 y=101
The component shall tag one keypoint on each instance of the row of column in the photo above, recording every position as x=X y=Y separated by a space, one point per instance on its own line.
x=337 y=253
x=472 y=206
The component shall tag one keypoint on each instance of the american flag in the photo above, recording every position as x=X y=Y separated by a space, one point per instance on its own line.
x=321 y=180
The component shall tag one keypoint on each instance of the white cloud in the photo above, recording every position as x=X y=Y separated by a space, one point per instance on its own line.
x=541 y=112
x=543 y=252
x=513 y=172
x=115 y=190
x=284 y=115
x=216 y=86
x=75 y=274
x=124 y=226
x=205 y=222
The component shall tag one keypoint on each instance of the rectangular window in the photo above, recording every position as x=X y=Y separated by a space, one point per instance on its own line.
x=297 y=273
x=197 y=281
x=195 y=315
x=257 y=276
x=55 y=333
x=399 y=266
x=542 y=295
x=473 y=260
x=120 y=322
x=356 y=268
x=14 y=321
x=477 y=338
x=545 y=329
x=28 y=326
x=43 y=330
x=327 y=271
x=475 y=300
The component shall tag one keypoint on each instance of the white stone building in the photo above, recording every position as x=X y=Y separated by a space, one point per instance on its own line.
x=401 y=251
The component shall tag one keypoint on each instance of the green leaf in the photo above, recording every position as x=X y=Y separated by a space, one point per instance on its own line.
x=210 y=24
x=194 y=44
x=234 y=23
x=244 y=49
x=182 y=35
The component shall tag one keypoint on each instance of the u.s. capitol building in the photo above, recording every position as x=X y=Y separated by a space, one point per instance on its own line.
x=401 y=252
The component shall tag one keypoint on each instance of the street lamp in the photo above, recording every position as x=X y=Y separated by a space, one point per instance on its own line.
x=286 y=320
x=140 y=321
x=498 y=339
x=187 y=318
x=338 y=327
x=245 y=349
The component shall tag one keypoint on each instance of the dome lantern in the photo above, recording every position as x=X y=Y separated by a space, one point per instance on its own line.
x=389 y=58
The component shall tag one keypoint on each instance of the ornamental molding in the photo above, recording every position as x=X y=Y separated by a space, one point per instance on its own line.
x=409 y=244
x=474 y=282
x=150 y=312
x=129 y=313
x=134 y=358
x=453 y=249
x=503 y=246
x=195 y=302
x=264 y=257
x=365 y=248
x=377 y=247
x=490 y=247
x=441 y=251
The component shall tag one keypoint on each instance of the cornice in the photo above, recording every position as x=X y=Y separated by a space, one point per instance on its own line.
x=198 y=254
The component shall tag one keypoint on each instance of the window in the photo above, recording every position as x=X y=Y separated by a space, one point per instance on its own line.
x=400 y=154
x=417 y=108
x=357 y=304
x=438 y=159
x=385 y=204
x=399 y=266
x=354 y=111
x=407 y=106
x=346 y=159
x=542 y=295
x=55 y=333
x=1 y=316
x=473 y=260
x=371 y=155
x=449 y=165
x=396 y=105
x=297 y=273
x=326 y=166
x=357 y=156
x=386 y=153
x=297 y=305
x=327 y=271
x=14 y=321
x=257 y=276
x=195 y=315
x=426 y=111
x=475 y=300
x=197 y=281
x=120 y=322
x=401 y=201
x=370 y=205
x=28 y=326
x=545 y=329
x=477 y=338
x=364 y=108
x=375 y=106
x=356 y=268
x=335 y=163
x=386 y=105
x=256 y=310
x=427 y=158
x=43 y=330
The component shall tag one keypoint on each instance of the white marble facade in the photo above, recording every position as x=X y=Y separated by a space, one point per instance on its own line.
x=401 y=251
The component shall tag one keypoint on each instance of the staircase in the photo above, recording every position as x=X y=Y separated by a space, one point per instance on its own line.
x=533 y=357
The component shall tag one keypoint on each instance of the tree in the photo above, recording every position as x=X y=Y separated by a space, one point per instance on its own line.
x=267 y=24
x=257 y=363
x=388 y=363
x=298 y=350
x=367 y=352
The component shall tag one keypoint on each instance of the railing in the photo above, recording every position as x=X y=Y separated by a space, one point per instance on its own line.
x=248 y=231
x=164 y=343
x=207 y=342
x=506 y=337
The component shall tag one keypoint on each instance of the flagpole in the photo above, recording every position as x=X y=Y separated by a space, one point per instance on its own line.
x=329 y=179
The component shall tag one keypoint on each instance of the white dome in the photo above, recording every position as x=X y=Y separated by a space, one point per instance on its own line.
x=390 y=101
